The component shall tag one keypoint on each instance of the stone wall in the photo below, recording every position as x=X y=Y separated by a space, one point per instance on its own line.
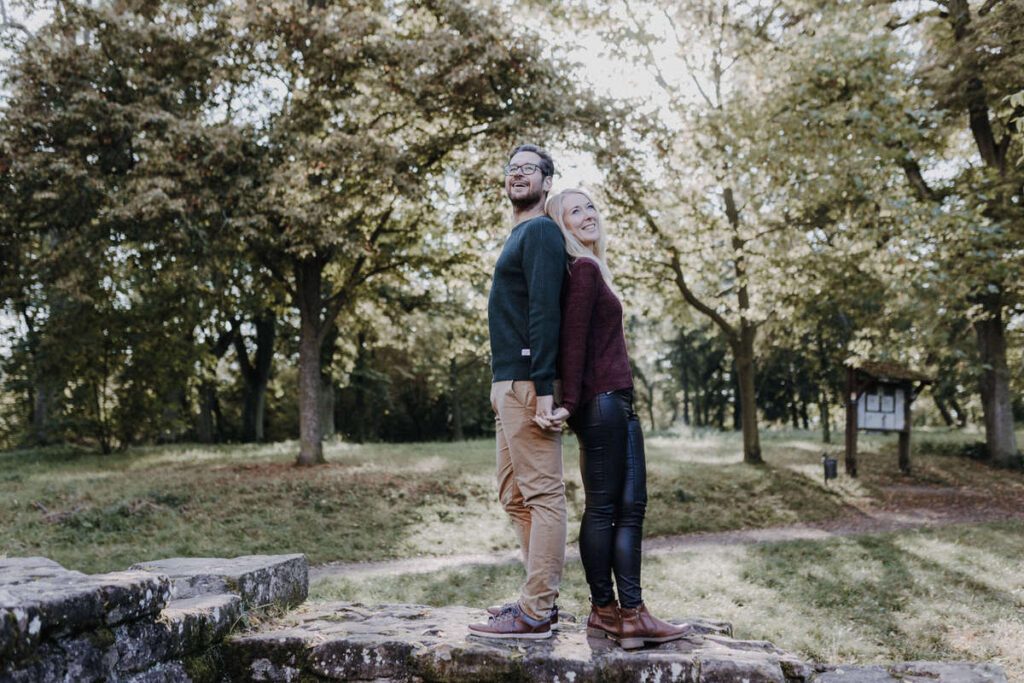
x=158 y=621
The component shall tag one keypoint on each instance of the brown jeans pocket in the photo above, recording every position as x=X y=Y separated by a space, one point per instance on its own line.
x=524 y=392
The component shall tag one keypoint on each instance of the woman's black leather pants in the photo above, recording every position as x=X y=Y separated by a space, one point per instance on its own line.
x=615 y=482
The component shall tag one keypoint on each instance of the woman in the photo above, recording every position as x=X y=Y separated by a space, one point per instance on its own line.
x=597 y=401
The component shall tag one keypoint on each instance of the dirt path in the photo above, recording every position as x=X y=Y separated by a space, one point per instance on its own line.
x=852 y=525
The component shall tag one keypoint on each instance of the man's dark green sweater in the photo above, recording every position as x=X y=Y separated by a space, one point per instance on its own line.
x=523 y=311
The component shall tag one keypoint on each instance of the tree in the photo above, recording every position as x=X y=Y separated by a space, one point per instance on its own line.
x=374 y=106
x=724 y=175
x=110 y=178
x=973 y=65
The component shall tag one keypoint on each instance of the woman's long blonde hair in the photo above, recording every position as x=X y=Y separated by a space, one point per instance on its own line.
x=575 y=248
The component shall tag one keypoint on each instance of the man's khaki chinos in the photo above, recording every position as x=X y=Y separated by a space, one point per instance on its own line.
x=531 y=489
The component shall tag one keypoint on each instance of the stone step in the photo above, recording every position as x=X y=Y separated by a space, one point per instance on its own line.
x=260 y=580
x=138 y=625
x=183 y=628
x=352 y=642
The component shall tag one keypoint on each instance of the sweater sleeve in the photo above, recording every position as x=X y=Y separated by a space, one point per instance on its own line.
x=580 y=298
x=544 y=269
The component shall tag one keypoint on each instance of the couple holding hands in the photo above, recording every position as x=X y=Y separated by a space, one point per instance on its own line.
x=553 y=305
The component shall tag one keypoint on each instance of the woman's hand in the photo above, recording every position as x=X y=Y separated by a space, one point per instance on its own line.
x=560 y=415
x=553 y=421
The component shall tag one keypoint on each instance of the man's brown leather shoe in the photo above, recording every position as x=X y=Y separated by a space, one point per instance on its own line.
x=604 y=622
x=511 y=623
x=640 y=626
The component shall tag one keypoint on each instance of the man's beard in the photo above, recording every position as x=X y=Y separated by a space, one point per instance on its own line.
x=526 y=201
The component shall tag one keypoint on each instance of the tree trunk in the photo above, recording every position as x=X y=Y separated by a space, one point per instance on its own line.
x=943 y=410
x=205 y=430
x=256 y=374
x=823 y=387
x=826 y=426
x=327 y=403
x=454 y=402
x=961 y=414
x=42 y=392
x=253 y=411
x=850 y=401
x=41 y=404
x=209 y=425
x=792 y=398
x=744 y=351
x=686 y=405
x=309 y=275
x=720 y=398
x=748 y=395
x=996 y=399
x=737 y=408
x=650 y=405
x=648 y=389
x=904 y=441
x=328 y=390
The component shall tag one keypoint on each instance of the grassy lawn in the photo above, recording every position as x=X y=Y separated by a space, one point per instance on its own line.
x=950 y=593
x=100 y=513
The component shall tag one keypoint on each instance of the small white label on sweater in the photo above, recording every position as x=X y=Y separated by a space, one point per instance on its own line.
x=526 y=352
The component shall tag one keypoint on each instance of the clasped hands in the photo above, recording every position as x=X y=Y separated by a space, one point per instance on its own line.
x=549 y=418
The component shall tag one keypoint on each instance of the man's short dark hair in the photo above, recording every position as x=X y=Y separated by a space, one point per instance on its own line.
x=547 y=164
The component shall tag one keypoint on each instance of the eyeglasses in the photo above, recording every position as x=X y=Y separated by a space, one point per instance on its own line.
x=521 y=169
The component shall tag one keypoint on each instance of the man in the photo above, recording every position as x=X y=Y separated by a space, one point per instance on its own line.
x=524 y=317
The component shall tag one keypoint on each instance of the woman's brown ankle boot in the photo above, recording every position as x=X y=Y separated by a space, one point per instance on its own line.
x=604 y=621
x=640 y=626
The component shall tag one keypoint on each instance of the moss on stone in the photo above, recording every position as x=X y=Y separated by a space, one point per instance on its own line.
x=207 y=667
x=102 y=638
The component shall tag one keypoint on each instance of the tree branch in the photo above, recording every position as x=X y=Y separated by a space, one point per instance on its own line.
x=7 y=22
x=677 y=268
x=897 y=23
x=988 y=7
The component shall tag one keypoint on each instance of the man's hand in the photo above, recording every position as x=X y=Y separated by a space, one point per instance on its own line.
x=551 y=420
x=542 y=416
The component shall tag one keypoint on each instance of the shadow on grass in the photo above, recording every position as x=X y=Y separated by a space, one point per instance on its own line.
x=897 y=590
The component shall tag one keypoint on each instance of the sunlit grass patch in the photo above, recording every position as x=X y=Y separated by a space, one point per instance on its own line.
x=874 y=598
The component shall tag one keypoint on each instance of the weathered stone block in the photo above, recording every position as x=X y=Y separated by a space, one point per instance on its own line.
x=344 y=641
x=16 y=570
x=264 y=657
x=352 y=642
x=41 y=600
x=949 y=672
x=260 y=580
x=86 y=657
x=740 y=665
x=913 y=672
x=202 y=621
x=165 y=672
x=184 y=627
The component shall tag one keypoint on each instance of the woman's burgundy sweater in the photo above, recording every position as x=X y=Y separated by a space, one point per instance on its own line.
x=592 y=355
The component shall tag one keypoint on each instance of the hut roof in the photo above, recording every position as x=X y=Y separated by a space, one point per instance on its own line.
x=888 y=370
